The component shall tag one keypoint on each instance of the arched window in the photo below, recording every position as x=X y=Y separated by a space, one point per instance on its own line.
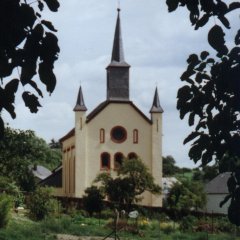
x=118 y=160
x=102 y=135
x=135 y=136
x=132 y=155
x=105 y=161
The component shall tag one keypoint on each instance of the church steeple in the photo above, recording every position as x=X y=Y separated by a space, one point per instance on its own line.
x=80 y=105
x=118 y=69
x=117 y=51
x=156 y=107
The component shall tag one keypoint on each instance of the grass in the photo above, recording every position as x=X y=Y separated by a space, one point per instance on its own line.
x=21 y=228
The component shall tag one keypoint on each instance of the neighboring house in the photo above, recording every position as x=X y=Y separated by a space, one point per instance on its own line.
x=167 y=184
x=115 y=130
x=216 y=191
x=40 y=172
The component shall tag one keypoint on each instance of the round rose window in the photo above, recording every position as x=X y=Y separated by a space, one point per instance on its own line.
x=118 y=134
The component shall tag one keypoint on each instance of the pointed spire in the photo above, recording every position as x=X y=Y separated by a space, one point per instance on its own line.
x=117 y=51
x=156 y=107
x=80 y=105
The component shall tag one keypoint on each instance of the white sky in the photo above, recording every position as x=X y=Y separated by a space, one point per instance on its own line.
x=156 y=45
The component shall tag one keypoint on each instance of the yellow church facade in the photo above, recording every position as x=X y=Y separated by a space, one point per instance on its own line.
x=115 y=131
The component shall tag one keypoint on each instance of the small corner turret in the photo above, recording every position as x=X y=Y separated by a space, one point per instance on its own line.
x=80 y=105
x=156 y=106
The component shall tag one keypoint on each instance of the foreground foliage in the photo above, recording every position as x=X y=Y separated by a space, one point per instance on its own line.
x=210 y=97
x=41 y=203
x=19 y=150
x=22 y=228
x=27 y=46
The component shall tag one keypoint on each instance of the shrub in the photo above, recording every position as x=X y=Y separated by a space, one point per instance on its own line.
x=5 y=207
x=93 y=200
x=41 y=203
x=187 y=223
x=167 y=227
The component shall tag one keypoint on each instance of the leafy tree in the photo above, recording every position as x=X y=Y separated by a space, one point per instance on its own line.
x=28 y=47
x=186 y=195
x=206 y=173
x=41 y=203
x=169 y=167
x=7 y=186
x=21 y=149
x=5 y=207
x=211 y=94
x=93 y=200
x=133 y=179
x=228 y=164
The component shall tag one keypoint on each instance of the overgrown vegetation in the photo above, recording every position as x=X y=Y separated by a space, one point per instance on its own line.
x=41 y=203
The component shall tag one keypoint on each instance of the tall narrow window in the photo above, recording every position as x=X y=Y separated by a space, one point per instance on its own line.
x=105 y=161
x=102 y=135
x=135 y=136
x=118 y=160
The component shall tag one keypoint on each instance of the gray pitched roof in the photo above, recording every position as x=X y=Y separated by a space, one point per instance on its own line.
x=156 y=107
x=80 y=105
x=219 y=184
x=40 y=172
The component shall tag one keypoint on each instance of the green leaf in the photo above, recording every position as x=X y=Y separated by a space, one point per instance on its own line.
x=224 y=21
x=47 y=76
x=40 y=5
x=31 y=101
x=172 y=5
x=49 y=25
x=233 y=6
x=191 y=136
x=225 y=200
x=53 y=5
x=216 y=39
x=202 y=21
x=204 y=55
x=237 y=38
x=34 y=85
x=1 y=129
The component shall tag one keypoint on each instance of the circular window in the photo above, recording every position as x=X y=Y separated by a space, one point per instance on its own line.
x=118 y=134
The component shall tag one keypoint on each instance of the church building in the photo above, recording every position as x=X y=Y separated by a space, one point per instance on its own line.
x=115 y=131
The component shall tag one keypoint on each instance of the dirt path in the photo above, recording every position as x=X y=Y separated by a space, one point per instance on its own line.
x=71 y=237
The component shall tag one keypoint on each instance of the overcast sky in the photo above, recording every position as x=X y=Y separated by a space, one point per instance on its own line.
x=156 y=45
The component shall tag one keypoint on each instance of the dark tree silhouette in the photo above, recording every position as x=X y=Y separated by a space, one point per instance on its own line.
x=211 y=94
x=28 y=48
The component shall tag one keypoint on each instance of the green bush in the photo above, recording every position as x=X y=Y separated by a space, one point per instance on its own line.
x=5 y=207
x=167 y=227
x=93 y=200
x=187 y=223
x=42 y=204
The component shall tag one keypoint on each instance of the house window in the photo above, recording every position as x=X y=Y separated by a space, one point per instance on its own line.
x=118 y=160
x=102 y=135
x=118 y=134
x=105 y=161
x=135 y=136
x=132 y=155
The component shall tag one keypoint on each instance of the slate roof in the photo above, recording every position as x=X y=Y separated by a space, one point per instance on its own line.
x=218 y=185
x=40 y=172
x=156 y=106
x=80 y=105
x=53 y=180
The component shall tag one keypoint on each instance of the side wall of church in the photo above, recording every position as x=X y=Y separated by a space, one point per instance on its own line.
x=68 y=162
